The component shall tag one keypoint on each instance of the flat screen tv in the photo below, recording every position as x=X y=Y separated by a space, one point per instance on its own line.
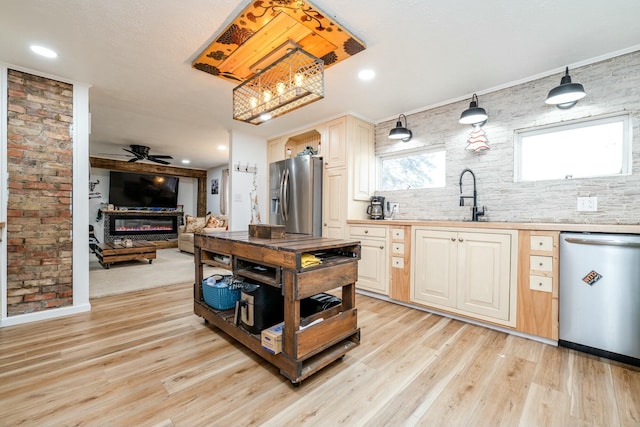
x=140 y=190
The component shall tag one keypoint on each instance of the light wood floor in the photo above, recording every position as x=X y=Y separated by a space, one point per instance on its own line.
x=144 y=359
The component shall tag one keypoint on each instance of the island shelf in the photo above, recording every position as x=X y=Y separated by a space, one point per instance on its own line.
x=307 y=346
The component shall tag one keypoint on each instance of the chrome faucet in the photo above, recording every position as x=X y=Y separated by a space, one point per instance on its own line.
x=475 y=213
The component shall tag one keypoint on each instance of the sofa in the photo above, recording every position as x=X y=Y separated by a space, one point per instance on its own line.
x=193 y=224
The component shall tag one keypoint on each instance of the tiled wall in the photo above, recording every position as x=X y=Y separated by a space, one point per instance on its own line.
x=39 y=220
x=612 y=86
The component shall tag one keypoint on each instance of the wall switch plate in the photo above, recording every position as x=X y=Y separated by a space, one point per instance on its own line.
x=587 y=204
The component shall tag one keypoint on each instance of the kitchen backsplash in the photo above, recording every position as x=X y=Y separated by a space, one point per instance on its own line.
x=612 y=86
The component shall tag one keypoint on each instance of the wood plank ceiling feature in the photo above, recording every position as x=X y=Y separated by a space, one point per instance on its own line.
x=264 y=28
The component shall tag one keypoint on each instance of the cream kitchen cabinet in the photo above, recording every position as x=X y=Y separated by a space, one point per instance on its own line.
x=275 y=150
x=334 y=201
x=334 y=149
x=471 y=272
x=348 y=176
x=373 y=267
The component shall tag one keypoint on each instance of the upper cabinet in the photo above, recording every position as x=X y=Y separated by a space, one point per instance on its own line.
x=361 y=144
x=289 y=146
x=335 y=150
x=276 y=150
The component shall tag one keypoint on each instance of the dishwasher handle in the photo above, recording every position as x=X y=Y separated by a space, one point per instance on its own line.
x=619 y=243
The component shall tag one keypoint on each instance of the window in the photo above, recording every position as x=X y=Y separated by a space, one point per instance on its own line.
x=412 y=170
x=591 y=148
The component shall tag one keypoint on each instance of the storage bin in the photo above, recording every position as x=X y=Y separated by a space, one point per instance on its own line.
x=220 y=292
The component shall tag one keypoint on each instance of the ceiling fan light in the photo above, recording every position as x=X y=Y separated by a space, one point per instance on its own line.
x=567 y=94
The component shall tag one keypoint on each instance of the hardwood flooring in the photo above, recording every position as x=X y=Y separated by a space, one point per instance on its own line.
x=144 y=359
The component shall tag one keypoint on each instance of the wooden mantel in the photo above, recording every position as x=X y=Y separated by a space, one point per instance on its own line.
x=201 y=175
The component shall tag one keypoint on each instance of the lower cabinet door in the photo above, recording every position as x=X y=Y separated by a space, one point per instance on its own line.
x=434 y=273
x=484 y=267
x=468 y=273
x=373 y=270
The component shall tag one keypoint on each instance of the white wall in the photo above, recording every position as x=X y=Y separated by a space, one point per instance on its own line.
x=247 y=152
x=213 y=200
x=612 y=86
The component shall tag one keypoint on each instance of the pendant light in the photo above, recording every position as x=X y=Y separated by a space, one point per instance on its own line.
x=567 y=94
x=401 y=132
x=474 y=115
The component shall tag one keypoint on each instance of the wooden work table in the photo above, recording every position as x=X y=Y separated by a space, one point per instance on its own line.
x=277 y=262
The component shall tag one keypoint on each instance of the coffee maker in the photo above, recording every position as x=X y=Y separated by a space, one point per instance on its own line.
x=375 y=210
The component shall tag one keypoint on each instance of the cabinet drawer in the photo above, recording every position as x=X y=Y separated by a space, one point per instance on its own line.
x=540 y=283
x=398 y=248
x=541 y=243
x=540 y=263
x=397 y=262
x=397 y=234
x=369 y=231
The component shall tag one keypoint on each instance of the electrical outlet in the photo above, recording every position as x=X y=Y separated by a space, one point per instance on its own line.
x=394 y=207
x=587 y=204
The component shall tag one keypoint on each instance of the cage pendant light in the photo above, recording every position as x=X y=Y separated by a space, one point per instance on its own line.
x=295 y=80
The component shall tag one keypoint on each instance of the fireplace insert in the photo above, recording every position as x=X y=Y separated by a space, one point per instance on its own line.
x=143 y=224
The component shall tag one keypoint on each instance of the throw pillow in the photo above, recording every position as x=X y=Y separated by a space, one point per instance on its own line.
x=213 y=222
x=194 y=224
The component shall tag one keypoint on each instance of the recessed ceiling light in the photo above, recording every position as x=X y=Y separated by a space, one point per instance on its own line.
x=366 y=74
x=186 y=161
x=222 y=147
x=44 y=51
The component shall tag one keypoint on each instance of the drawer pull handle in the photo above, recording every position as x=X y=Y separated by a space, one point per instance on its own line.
x=540 y=264
x=366 y=231
x=540 y=243
x=460 y=240
x=381 y=247
x=453 y=239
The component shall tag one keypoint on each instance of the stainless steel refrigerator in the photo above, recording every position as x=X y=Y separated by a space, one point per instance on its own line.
x=295 y=193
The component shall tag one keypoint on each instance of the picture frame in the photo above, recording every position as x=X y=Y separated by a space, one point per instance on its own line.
x=214 y=186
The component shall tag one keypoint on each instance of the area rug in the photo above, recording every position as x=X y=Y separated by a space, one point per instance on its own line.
x=171 y=267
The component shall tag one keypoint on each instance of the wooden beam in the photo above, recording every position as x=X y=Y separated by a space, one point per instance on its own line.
x=119 y=165
x=199 y=174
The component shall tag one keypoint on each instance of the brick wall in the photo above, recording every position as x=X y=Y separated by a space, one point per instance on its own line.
x=39 y=223
x=612 y=86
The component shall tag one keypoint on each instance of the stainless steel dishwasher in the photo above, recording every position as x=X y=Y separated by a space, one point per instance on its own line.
x=600 y=294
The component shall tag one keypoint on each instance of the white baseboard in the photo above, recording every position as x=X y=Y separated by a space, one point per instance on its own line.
x=44 y=315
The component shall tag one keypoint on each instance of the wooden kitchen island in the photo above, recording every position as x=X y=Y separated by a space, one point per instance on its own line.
x=278 y=262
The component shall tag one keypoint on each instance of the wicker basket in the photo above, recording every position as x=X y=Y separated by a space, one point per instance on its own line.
x=218 y=293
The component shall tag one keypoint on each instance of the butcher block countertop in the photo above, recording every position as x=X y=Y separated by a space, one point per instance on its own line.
x=535 y=226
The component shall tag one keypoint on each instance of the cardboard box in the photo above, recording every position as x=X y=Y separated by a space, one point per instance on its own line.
x=266 y=231
x=272 y=338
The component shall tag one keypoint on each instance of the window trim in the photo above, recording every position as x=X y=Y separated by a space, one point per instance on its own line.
x=627 y=142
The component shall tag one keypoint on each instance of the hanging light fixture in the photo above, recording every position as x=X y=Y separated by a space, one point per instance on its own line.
x=567 y=94
x=401 y=132
x=295 y=80
x=474 y=115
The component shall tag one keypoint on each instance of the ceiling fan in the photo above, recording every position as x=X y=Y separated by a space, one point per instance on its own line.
x=141 y=152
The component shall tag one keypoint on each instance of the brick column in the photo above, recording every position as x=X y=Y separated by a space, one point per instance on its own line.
x=39 y=222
